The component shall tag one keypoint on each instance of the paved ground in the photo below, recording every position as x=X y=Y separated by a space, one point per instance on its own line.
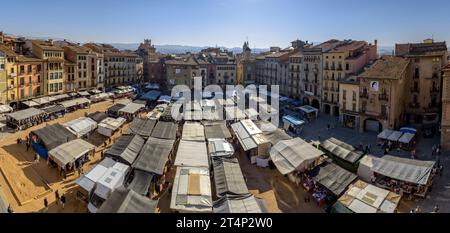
x=440 y=193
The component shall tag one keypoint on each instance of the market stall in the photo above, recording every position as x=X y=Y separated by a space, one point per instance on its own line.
x=237 y=204
x=308 y=112
x=142 y=127
x=113 y=111
x=54 y=111
x=252 y=140
x=75 y=104
x=403 y=176
x=234 y=113
x=109 y=125
x=97 y=116
x=99 y=97
x=293 y=124
x=384 y=135
x=5 y=109
x=127 y=201
x=71 y=155
x=191 y=190
x=294 y=155
x=216 y=129
x=228 y=177
x=342 y=153
x=406 y=141
x=165 y=130
x=49 y=137
x=30 y=103
x=192 y=154
x=140 y=182
x=126 y=149
x=25 y=118
x=81 y=127
x=61 y=97
x=362 y=197
x=219 y=147
x=272 y=133
x=193 y=131
x=154 y=156
x=152 y=95
x=131 y=110
x=364 y=171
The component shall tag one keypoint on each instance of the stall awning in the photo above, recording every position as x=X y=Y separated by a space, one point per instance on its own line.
x=165 y=130
x=142 y=127
x=84 y=93
x=293 y=120
x=44 y=100
x=192 y=154
x=272 y=133
x=220 y=147
x=193 y=131
x=154 y=155
x=234 y=113
x=127 y=201
x=30 y=103
x=385 y=134
x=98 y=116
x=406 y=138
x=394 y=136
x=308 y=109
x=53 y=109
x=25 y=114
x=165 y=98
x=248 y=134
x=70 y=151
x=54 y=135
x=5 y=108
x=191 y=190
x=75 y=102
x=228 y=177
x=81 y=126
x=294 y=155
x=126 y=149
x=334 y=178
x=237 y=204
x=408 y=130
x=141 y=182
x=151 y=95
x=409 y=170
x=112 y=123
x=132 y=108
x=61 y=96
x=116 y=107
x=217 y=130
x=341 y=150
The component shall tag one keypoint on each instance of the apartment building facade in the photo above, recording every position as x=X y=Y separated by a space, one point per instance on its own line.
x=181 y=71
x=349 y=102
x=445 y=120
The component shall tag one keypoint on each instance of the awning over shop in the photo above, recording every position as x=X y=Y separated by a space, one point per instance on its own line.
x=154 y=155
x=142 y=127
x=294 y=155
x=165 y=130
x=126 y=149
x=132 y=108
x=334 y=178
x=216 y=130
x=75 y=102
x=408 y=170
x=228 y=177
x=237 y=204
x=362 y=197
x=127 y=201
x=54 y=135
x=192 y=154
x=25 y=114
x=81 y=126
x=191 y=190
x=70 y=151
x=341 y=150
x=193 y=131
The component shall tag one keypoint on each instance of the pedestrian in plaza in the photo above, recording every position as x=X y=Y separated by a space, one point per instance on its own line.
x=28 y=145
x=57 y=198
x=441 y=170
x=328 y=127
x=36 y=158
x=417 y=210
x=438 y=150
x=45 y=205
x=436 y=208
x=10 y=209
x=63 y=200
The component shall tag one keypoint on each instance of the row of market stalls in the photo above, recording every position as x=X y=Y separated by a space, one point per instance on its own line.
x=404 y=138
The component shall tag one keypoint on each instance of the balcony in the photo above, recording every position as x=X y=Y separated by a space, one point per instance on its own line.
x=383 y=97
x=364 y=95
x=415 y=90
x=339 y=68
x=414 y=105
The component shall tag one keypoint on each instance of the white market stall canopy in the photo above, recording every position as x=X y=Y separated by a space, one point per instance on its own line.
x=81 y=126
x=248 y=134
x=30 y=103
x=75 y=102
x=341 y=150
x=193 y=131
x=294 y=155
x=70 y=151
x=395 y=136
x=25 y=114
x=84 y=93
x=44 y=100
x=408 y=170
x=334 y=178
x=191 y=190
x=61 y=96
x=362 y=197
x=237 y=204
x=234 y=113
x=5 y=108
x=406 y=138
x=192 y=154
x=132 y=108
x=109 y=125
x=385 y=134
x=219 y=147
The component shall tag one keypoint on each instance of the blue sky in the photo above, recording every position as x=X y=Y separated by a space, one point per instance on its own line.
x=228 y=22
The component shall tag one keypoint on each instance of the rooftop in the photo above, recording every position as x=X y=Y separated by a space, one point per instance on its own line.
x=387 y=67
x=46 y=45
x=182 y=61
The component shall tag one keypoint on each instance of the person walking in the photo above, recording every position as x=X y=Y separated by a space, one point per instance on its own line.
x=63 y=200
x=10 y=209
x=436 y=208
x=45 y=205
x=57 y=197
x=28 y=145
x=36 y=158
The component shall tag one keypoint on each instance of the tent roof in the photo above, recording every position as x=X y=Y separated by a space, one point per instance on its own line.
x=192 y=154
x=5 y=108
x=272 y=133
x=81 y=125
x=293 y=120
x=98 y=116
x=54 y=135
x=234 y=113
x=409 y=170
x=165 y=98
x=220 y=147
x=127 y=148
x=219 y=130
x=112 y=123
x=84 y=93
x=406 y=138
x=132 y=108
x=193 y=131
x=127 y=201
x=154 y=155
x=237 y=204
x=293 y=154
x=248 y=134
x=228 y=177
x=141 y=182
x=191 y=190
x=30 y=103
x=25 y=114
x=116 y=107
x=151 y=95
x=142 y=127
x=75 y=102
x=70 y=151
x=341 y=150
x=334 y=178
x=385 y=134
x=61 y=96
x=53 y=108
x=165 y=130
x=395 y=136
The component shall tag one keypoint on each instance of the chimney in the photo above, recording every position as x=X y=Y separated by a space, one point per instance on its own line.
x=375 y=42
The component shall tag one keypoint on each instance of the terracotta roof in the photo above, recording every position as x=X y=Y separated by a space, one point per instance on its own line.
x=387 y=67
x=428 y=48
x=183 y=61
x=350 y=46
x=78 y=49
x=7 y=51
x=446 y=68
x=46 y=45
x=22 y=58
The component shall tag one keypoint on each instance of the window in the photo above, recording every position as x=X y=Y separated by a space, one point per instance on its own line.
x=344 y=95
x=22 y=81
x=347 y=66
x=29 y=68
x=354 y=95
x=354 y=107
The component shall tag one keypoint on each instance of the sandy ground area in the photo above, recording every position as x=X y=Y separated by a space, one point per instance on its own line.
x=26 y=183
